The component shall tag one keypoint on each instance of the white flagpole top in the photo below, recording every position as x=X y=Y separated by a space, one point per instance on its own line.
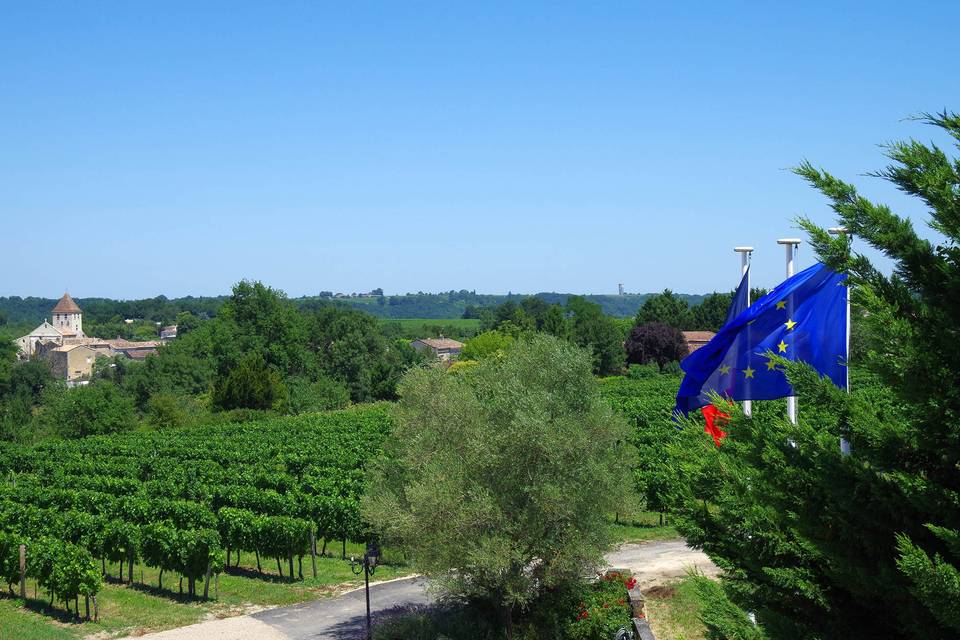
x=789 y=241
x=838 y=230
x=743 y=249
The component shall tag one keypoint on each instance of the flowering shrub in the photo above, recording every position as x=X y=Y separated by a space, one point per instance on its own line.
x=603 y=610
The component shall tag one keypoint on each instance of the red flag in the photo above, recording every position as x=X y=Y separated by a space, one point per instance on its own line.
x=715 y=418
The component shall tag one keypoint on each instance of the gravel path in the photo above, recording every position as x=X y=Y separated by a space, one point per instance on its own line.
x=343 y=617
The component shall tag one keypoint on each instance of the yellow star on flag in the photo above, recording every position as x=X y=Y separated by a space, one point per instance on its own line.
x=790 y=324
x=782 y=304
x=748 y=372
x=771 y=365
x=782 y=346
x=725 y=369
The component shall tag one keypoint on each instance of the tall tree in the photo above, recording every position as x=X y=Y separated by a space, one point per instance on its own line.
x=665 y=307
x=656 y=342
x=710 y=314
x=822 y=545
x=598 y=333
x=499 y=481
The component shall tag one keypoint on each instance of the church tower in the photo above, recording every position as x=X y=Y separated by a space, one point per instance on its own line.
x=68 y=318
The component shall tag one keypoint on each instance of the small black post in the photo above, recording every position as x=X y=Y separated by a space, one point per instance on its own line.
x=366 y=585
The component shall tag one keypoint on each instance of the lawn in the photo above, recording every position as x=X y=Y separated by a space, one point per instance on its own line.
x=141 y=607
x=641 y=527
x=673 y=611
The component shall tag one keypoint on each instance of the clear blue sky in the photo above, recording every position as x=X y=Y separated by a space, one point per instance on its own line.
x=151 y=148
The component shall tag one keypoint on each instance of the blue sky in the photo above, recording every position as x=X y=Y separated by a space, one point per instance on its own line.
x=150 y=148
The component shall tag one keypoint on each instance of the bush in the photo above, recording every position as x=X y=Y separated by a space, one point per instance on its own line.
x=575 y=611
x=94 y=409
x=251 y=384
x=485 y=345
x=170 y=410
x=641 y=371
x=324 y=394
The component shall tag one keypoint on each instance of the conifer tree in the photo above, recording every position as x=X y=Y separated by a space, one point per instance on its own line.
x=821 y=545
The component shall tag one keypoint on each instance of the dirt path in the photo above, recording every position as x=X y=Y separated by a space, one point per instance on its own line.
x=343 y=617
x=656 y=563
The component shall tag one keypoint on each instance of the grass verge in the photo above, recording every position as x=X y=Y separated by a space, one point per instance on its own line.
x=673 y=611
x=142 y=607
x=641 y=527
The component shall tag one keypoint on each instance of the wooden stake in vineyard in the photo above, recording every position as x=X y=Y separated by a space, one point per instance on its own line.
x=23 y=571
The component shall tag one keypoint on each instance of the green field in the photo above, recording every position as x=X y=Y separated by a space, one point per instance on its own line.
x=413 y=328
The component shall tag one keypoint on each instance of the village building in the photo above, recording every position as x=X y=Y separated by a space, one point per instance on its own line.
x=72 y=363
x=697 y=339
x=70 y=352
x=440 y=348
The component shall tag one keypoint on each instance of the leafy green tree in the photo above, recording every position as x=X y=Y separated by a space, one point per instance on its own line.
x=710 y=314
x=485 y=345
x=93 y=409
x=668 y=308
x=252 y=384
x=555 y=322
x=257 y=318
x=599 y=333
x=822 y=545
x=499 y=481
x=186 y=322
x=322 y=394
x=350 y=347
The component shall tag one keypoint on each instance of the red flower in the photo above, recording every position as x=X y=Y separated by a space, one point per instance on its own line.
x=606 y=605
x=621 y=601
x=631 y=583
x=583 y=614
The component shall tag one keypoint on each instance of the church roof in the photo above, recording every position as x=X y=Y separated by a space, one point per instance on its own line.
x=45 y=329
x=66 y=305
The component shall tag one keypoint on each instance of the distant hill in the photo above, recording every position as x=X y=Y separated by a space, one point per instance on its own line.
x=449 y=304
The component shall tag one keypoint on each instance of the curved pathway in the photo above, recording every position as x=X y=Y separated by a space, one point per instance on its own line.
x=344 y=617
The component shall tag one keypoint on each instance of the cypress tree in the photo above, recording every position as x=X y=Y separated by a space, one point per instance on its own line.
x=821 y=545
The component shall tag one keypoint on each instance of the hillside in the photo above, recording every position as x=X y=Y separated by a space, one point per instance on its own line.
x=449 y=304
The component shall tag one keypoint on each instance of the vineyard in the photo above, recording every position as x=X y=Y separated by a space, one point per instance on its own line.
x=186 y=502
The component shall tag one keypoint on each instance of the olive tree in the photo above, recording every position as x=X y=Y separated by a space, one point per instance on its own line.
x=499 y=481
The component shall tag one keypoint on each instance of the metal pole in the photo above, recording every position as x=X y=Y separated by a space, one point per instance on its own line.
x=845 y=447
x=791 y=245
x=366 y=585
x=745 y=254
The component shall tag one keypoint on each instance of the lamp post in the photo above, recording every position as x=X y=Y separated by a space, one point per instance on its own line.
x=843 y=231
x=367 y=565
x=791 y=245
x=745 y=254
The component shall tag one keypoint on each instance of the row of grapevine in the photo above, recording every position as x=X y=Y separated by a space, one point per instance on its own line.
x=181 y=500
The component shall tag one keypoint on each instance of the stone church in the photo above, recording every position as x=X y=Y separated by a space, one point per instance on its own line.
x=67 y=326
x=71 y=353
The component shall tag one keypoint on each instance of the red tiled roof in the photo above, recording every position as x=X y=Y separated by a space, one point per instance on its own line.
x=441 y=343
x=696 y=339
x=66 y=305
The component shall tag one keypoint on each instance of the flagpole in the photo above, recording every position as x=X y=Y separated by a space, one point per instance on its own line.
x=837 y=231
x=745 y=255
x=791 y=245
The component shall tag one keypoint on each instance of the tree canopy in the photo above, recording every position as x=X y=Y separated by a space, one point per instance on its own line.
x=498 y=480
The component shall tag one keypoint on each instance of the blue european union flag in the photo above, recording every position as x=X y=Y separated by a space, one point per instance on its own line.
x=803 y=319
x=739 y=302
